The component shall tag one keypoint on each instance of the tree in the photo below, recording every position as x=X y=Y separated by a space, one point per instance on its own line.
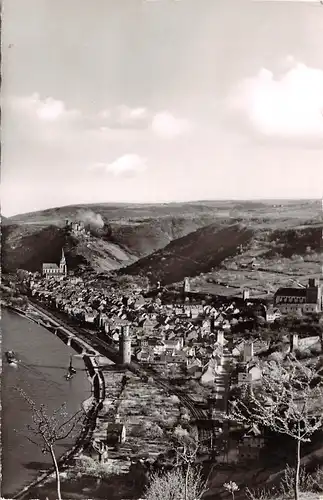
x=47 y=430
x=232 y=487
x=175 y=485
x=184 y=481
x=186 y=450
x=288 y=402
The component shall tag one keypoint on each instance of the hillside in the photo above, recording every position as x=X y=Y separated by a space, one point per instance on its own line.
x=120 y=234
x=196 y=253
x=27 y=247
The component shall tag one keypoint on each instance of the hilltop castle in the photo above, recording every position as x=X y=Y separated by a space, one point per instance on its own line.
x=53 y=270
x=76 y=227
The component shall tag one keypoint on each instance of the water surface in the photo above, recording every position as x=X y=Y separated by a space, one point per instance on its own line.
x=40 y=374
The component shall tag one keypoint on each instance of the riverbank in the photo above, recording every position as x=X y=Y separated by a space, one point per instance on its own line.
x=89 y=420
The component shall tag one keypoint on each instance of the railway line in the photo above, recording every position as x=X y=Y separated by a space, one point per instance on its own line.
x=108 y=351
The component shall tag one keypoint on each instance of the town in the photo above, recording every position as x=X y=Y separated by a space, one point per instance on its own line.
x=184 y=352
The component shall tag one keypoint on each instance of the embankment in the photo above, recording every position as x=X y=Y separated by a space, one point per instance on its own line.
x=93 y=406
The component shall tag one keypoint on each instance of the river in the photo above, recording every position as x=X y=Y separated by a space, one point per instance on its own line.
x=40 y=374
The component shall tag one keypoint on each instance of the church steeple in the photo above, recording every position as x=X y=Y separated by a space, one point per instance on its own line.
x=62 y=264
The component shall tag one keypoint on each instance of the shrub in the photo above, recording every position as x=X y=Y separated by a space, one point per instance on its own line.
x=171 y=486
x=303 y=354
x=150 y=430
x=315 y=350
x=276 y=356
x=87 y=466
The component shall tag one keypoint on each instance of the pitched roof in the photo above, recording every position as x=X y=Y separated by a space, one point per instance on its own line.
x=50 y=266
x=296 y=292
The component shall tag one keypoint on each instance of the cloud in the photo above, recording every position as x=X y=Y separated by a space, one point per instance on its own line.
x=105 y=114
x=124 y=165
x=130 y=115
x=124 y=117
x=289 y=107
x=165 y=125
x=35 y=121
x=44 y=110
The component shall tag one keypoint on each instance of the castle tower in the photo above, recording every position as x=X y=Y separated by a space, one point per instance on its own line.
x=62 y=264
x=125 y=345
x=294 y=342
x=248 y=352
x=313 y=292
x=220 y=338
x=187 y=285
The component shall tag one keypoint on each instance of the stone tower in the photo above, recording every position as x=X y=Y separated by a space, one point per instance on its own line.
x=187 y=285
x=62 y=264
x=125 y=345
x=293 y=342
x=245 y=294
x=248 y=352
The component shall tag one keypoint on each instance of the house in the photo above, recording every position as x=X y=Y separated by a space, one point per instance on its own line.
x=219 y=319
x=90 y=317
x=174 y=344
x=148 y=325
x=192 y=335
x=189 y=350
x=98 y=451
x=272 y=314
x=192 y=364
x=248 y=375
x=209 y=375
x=145 y=356
x=251 y=444
x=207 y=326
x=116 y=434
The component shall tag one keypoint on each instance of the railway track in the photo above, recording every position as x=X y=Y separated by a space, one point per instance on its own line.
x=100 y=345
x=106 y=350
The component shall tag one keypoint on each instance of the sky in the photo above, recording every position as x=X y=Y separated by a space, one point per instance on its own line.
x=160 y=100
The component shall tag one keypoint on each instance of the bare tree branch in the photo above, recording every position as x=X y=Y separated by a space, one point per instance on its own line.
x=50 y=429
x=288 y=401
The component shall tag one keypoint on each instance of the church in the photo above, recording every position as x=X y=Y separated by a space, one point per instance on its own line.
x=306 y=300
x=53 y=270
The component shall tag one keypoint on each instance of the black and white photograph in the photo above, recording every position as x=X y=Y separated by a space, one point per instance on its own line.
x=162 y=250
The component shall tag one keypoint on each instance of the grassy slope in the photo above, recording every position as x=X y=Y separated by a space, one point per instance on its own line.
x=193 y=254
